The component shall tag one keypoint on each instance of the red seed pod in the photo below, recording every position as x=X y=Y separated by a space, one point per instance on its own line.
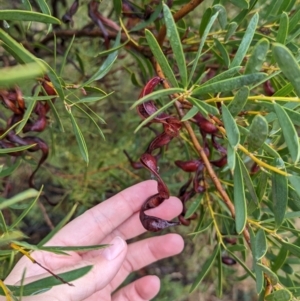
x=67 y=17
x=150 y=85
x=205 y=125
x=134 y=165
x=269 y=90
x=220 y=162
x=228 y=260
x=172 y=127
x=230 y=240
x=255 y=168
x=189 y=166
x=218 y=146
x=159 y=141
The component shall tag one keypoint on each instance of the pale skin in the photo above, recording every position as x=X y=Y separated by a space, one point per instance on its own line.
x=111 y=222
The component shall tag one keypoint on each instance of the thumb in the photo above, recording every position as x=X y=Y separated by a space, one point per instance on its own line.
x=105 y=267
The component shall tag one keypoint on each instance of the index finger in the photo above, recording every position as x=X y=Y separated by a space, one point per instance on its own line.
x=96 y=223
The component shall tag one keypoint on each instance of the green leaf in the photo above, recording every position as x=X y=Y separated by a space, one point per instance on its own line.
x=262 y=184
x=246 y=41
x=205 y=268
x=229 y=84
x=15 y=149
x=279 y=197
x=249 y=183
x=161 y=58
x=204 y=20
x=260 y=244
x=190 y=114
x=203 y=39
x=23 y=15
x=39 y=286
x=16 y=75
x=295 y=183
x=260 y=280
x=63 y=222
x=280 y=295
x=289 y=132
x=283 y=28
x=176 y=44
x=91 y=99
x=193 y=206
x=9 y=170
x=63 y=63
x=294 y=20
x=25 y=212
x=231 y=157
x=203 y=107
x=151 y=19
x=231 y=128
x=223 y=51
x=258 y=133
x=257 y=57
x=239 y=197
x=157 y=94
x=222 y=15
x=244 y=4
x=288 y=65
x=224 y=75
x=291 y=247
x=231 y=28
x=27 y=194
x=271 y=275
x=280 y=259
x=79 y=138
x=239 y=101
x=160 y=110
x=107 y=64
x=7 y=237
x=117 y=7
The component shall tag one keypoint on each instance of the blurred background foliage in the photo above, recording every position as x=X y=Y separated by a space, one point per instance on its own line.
x=87 y=166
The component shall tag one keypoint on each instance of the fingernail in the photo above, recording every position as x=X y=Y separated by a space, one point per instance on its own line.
x=117 y=245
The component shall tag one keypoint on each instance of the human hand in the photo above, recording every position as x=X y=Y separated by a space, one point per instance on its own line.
x=110 y=222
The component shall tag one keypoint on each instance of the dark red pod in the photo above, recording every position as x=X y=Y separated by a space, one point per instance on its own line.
x=205 y=125
x=220 y=162
x=189 y=166
x=228 y=260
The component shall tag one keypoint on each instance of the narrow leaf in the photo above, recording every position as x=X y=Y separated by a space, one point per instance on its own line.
x=258 y=133
x=239 y=101
x=224 y=75
x=161 y=58
x=107 y=64
x=239 y=198
x=27 y=194
x=269 y=273
x=280 y=295
x=190 y=114
x=175 y=42
x=231 y=157
x=283 y=28
x=244 y=4
x=223 y=51
x=79 y=138
x=279 y=197
x=193 y=206
x=245 y=43
x=260 y=244
x=231 y=28
x=203 y=39
x=258 y=56
x=288 y=65
x=23 y=15
x=231 y=128
x=11 y=76
x=205 y=268
x=222 y=15
x=280 y=259
x=289 y=132
x=204 y=21
x=230 y=84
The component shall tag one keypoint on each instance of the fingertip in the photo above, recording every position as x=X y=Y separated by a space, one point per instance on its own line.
x=148 y=287
x=174 y=243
